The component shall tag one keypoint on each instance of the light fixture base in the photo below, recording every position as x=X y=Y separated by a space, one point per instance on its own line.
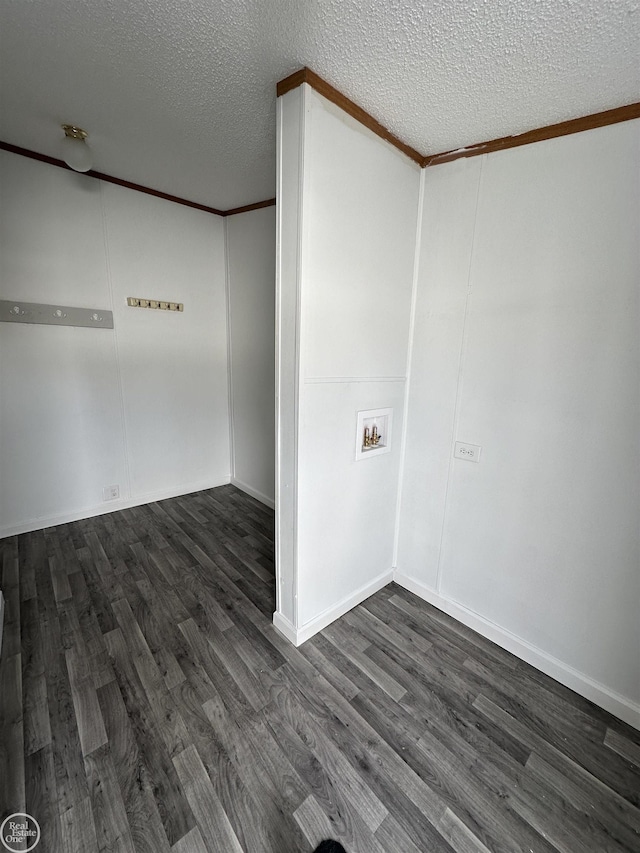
x=74 y=149
x=74 y=132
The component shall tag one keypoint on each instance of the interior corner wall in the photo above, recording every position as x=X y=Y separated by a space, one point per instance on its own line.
x=348 y=212
x=251 y=247
x=526 y=343
x=143 y=406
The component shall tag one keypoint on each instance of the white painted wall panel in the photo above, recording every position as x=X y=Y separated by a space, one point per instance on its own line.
x=346 y=243
x=61 y=437
x=552 y=393
x=174 y=365
x=541 y=538
x=51 y=235
x=360 y=209
x=347 y=519
x=290 y=163
x=450 y=194
x=143 y=406
x=251 y=247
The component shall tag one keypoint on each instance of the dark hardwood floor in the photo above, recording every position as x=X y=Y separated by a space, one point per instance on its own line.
x=148 y=704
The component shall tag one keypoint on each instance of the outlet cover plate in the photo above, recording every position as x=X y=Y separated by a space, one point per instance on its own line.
x=469 y=452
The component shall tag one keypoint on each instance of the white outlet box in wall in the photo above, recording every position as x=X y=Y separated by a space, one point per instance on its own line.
x=470 y=452
x=373 y=422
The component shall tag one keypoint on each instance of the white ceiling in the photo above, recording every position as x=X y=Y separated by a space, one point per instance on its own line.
x=179 y=95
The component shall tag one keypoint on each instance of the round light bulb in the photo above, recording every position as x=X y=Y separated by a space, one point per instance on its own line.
x=76 y=153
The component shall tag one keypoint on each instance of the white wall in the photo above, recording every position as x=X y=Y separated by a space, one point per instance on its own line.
x=527 y=343
x=144 y=405
x=251 y=248
x=289 y=165
x=349 y=204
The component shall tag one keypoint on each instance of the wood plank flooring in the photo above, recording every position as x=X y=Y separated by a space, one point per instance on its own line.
x=148 y=705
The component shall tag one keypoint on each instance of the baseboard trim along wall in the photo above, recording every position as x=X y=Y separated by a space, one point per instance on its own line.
x=286 y=628
x=254 y=493
x=111 y=506
x=592 y=690
x=300 y=635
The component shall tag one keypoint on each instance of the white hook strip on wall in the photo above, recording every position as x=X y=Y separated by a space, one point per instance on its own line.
x=54 y=315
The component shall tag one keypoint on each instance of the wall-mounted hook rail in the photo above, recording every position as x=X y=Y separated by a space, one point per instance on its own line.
x=54 y=315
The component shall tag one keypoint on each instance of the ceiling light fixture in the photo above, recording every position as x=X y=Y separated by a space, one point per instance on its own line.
x=75 y=151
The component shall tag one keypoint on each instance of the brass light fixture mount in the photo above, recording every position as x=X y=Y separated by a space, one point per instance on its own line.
x=74 y=132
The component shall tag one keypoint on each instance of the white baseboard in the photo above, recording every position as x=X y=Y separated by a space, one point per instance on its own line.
x=618 y=705
x=300 y=635
x=286 y=628
x=254 y=493
x=1 y=618
x=111 y=506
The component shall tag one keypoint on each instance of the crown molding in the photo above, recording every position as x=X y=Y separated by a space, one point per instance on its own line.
x=551 y=131
x=258 y=205
x=306 y=75
x=563 y=128
x=52 y=161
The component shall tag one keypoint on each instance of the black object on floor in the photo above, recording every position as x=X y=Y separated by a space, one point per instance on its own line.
x=329 y=846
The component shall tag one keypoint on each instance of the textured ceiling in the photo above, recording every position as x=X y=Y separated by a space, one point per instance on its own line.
x=179 y=95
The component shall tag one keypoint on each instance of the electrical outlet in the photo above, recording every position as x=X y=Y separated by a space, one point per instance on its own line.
x=111 y=493
x=470 y=452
